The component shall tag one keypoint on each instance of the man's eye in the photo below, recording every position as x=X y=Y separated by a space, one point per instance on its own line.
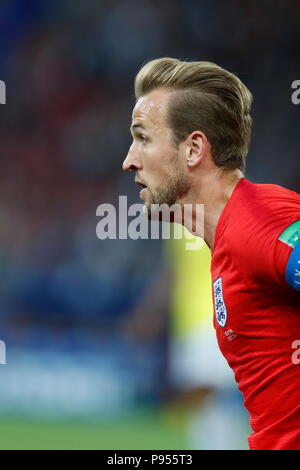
x=142 y=137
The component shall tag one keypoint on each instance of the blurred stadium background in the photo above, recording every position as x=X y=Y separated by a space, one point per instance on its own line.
x=110 y=343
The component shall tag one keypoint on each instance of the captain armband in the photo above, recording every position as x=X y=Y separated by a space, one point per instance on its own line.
x=291 y=237
x=293 y=268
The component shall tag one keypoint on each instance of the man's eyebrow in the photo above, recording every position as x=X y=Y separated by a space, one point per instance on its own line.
x=135 y=126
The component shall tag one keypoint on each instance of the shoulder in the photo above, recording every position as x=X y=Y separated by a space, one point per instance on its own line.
x=257 y=217
x=261 y=208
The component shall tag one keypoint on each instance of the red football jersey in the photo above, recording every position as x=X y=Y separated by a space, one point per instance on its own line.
x=257 y=310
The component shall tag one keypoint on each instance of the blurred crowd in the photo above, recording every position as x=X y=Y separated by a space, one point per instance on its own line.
x=69 y=69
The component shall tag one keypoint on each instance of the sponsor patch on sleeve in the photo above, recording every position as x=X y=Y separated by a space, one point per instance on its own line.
x=291 y=235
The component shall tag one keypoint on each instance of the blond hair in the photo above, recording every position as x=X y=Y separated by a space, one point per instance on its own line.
x=206 y=97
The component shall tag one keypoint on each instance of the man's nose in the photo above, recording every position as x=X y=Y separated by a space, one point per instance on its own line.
x=131 y=162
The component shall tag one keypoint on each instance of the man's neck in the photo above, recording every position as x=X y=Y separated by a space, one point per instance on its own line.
x=212 y=193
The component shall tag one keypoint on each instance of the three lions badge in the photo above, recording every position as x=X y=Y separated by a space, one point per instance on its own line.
x=220 y=307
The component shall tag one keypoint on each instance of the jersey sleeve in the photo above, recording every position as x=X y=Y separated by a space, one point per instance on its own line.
x=267 y=243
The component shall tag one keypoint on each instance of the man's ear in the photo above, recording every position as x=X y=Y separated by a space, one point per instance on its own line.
x=196 y=144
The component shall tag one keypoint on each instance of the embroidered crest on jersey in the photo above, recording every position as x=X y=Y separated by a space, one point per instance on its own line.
x=220 y=307
x=291 y=235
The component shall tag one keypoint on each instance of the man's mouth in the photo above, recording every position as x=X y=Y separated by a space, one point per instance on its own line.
x=144 y=187
x=141 y=184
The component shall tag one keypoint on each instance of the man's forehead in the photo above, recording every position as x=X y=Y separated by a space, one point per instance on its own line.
x=151 y=107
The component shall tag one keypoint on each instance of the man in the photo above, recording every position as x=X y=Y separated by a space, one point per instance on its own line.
x=191 y=129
